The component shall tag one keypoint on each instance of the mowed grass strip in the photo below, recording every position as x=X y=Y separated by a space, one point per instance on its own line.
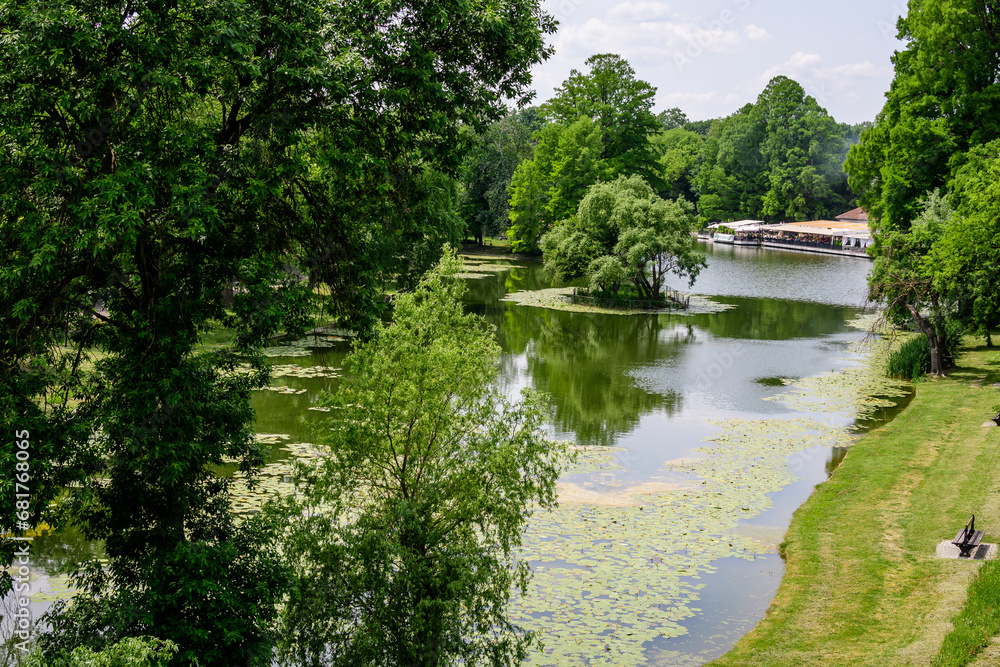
x=862 y=583
x=972 y=641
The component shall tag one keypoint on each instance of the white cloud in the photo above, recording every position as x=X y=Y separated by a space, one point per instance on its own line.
x=826 y=84
x=647 y=32
x=794 y=67
x=756 y=34
x=852 y=70
x=733 y=48
x=731 y=100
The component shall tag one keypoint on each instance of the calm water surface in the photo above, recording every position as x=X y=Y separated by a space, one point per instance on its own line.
x=649 y=384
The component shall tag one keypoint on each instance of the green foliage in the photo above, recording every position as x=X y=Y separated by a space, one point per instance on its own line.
x=702 y=127
x=130 y=652
x=620 y=105
x=409 y=555
x=488 y=169
x=938 y=131
x=965 y=262
x=606 y=274
x=941 y=103
x=677 y=153
x=672 y=118
x=911 y=360
x=804 y=150
x=600 y=127
x=978 y=622
x=433 y=219
x=900 y=278
x=151 y=163
x=733 y=168
x=569 y=251
x=624 y=232
x=777 y=159
x=549 y=187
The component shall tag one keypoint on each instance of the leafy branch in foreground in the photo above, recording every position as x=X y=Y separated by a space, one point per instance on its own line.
x=407 y=551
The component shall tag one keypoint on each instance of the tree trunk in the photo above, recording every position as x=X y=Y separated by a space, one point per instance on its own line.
x=643 y=286
x=933 y=340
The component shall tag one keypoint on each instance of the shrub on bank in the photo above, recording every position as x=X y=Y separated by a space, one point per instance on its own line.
x=913 y=358
x=624 y=293
x=627 y=298
x=130 y=652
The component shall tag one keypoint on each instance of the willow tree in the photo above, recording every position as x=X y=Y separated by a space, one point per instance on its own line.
x=624 y=233
x=154 y=155
x=405 y=548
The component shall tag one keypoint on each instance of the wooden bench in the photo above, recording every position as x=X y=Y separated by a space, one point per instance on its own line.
x=968 y=538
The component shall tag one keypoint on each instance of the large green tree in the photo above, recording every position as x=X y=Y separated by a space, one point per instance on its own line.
x=780 y=158
x=944 y=99
x=409 y=553
x=733 y=171
x=612 y=96
x=672 y=119
x=154 y=156
x=965 y=262
x=677 y=150
x=901 y=280
x=934 y=134
x=804 y=150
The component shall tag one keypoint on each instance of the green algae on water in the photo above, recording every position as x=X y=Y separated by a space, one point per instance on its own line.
x=555 y=298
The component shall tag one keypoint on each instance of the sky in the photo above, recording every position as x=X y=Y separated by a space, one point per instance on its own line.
x=711 y=58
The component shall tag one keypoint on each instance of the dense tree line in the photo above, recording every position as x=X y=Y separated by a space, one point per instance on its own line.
x=927 y=172
x=780 y=158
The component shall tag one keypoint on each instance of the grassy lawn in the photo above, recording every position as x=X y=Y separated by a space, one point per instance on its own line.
x=862 y=585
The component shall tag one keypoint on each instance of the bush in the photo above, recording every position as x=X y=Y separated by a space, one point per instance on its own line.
x=913 y=358
x=624 y=293
x=131 y=652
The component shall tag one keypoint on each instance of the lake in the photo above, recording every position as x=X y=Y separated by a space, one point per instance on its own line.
x=699 y=436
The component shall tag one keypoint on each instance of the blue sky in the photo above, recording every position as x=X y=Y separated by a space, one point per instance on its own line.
x=711 y=58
